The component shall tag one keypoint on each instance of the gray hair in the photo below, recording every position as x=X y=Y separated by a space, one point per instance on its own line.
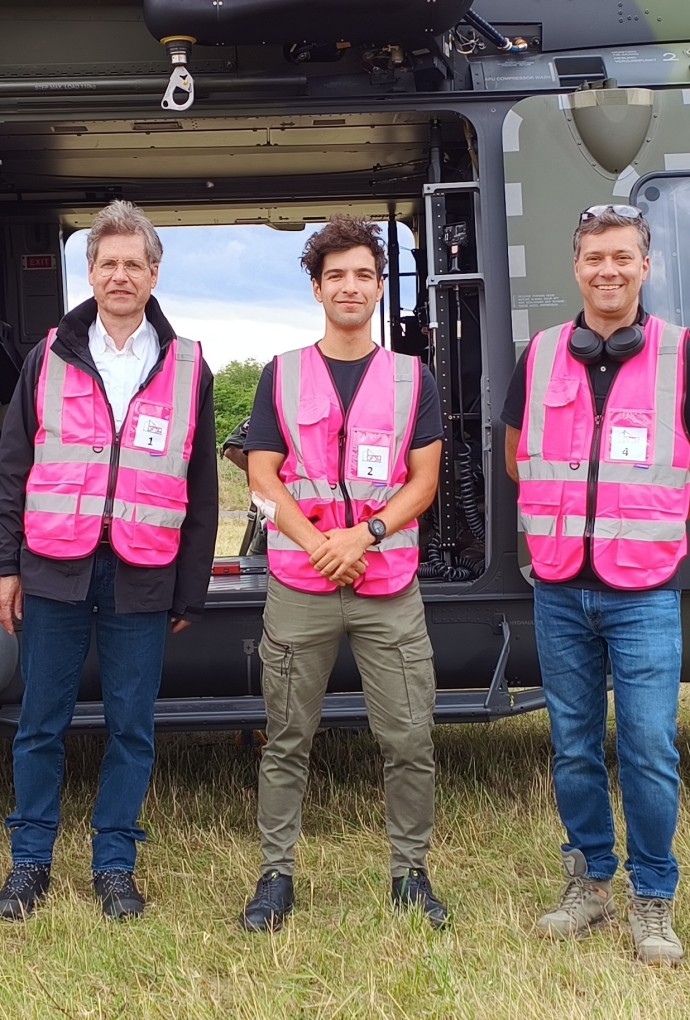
x=608 y=219
x=122 y=217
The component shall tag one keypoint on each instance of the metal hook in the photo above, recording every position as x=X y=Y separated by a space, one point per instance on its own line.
x=179 y=79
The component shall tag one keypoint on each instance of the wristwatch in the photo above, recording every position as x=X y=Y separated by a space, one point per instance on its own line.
x=377 y=529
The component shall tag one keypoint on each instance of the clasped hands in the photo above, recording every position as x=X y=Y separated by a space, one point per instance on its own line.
x=340 y=557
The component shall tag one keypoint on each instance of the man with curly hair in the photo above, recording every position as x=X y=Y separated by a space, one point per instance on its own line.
x=344 y=446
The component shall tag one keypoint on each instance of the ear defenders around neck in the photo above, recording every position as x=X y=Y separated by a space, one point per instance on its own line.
x=587 y=346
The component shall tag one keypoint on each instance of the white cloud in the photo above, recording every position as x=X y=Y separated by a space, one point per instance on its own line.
x=230 y=331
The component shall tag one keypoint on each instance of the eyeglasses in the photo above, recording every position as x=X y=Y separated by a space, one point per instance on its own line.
x=629 y=212
x=132 y=267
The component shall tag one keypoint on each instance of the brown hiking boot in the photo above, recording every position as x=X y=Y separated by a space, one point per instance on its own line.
x=586 y=903
x=656 y=943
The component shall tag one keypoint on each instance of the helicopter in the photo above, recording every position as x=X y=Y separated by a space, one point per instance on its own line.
x=482 y=127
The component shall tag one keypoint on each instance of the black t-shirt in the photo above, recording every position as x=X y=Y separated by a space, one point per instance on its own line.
x=601 y=375
x=264 y=432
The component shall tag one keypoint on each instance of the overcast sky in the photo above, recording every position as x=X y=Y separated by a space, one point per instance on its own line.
x=238 y=290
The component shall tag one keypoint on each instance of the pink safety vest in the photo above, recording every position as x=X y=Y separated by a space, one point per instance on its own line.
x=623 y=480
x=343 y=469
x=85 y=476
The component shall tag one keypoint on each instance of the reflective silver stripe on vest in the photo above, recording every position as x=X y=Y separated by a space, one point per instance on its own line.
x=93 y=506
x=619 y=474
x=56 y=373
x=634 y=531
x=305 y=488
x=141 y=460
x=50 y=503
x=291 y=385
x=184 y=397
x=631 y=474
x=319 y=489
x=51 y=452
x=404 y=392
x=158 y=517
x=542 y=368
x=544 y=525
x=640 y=531
x=407 y=539
x=552 y=471
x=665 y=394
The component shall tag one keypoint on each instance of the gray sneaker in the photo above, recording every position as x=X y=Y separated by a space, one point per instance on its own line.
x=656 y=943
x=586 y=903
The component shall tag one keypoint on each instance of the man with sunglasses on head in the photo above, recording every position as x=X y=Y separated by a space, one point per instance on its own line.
x=597 y=438
x=108 y=516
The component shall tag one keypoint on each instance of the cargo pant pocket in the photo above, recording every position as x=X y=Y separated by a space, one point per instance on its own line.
x=420 y=679
x=276 y=667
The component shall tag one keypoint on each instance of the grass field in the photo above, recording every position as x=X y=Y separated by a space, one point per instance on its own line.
x=343 y=954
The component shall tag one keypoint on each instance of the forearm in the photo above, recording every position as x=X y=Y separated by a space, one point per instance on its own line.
x=412 y=500
x=511 y=447
x=417 y=494
x=281 y=507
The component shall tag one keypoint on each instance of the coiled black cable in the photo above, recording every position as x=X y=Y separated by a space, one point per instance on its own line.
x=475 y=520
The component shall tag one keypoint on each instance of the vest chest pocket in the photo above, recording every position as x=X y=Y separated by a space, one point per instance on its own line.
x=564 y=436
x=313 y=419
x=81 y=421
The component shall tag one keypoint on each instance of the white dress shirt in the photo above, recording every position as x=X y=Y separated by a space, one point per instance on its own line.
x=123 y=371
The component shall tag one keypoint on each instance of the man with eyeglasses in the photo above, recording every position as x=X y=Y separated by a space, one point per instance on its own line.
x=597 y=434
x=108 y=516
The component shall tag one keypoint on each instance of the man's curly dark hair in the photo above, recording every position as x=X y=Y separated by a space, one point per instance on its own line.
x=340 y=234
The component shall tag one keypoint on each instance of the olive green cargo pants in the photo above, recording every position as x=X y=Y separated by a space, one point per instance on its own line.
x=389 y=640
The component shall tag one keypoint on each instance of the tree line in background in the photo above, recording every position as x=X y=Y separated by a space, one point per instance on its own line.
x=234 y=389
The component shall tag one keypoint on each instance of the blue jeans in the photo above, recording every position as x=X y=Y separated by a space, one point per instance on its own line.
x=640 y=632
x=56 y=638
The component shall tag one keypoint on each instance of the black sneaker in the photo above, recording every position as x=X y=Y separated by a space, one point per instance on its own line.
x=118 y=894
x=414 y=889
x=25 y=886
x=273 y=899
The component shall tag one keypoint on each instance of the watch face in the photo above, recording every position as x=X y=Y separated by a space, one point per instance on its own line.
x=378 y=529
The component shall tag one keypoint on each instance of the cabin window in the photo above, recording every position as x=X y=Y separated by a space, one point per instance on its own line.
x=665 y=201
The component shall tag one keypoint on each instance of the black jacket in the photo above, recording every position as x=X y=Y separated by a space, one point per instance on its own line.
x=180 y=587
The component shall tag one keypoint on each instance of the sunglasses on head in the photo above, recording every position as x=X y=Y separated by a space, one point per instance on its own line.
x=629 y=212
